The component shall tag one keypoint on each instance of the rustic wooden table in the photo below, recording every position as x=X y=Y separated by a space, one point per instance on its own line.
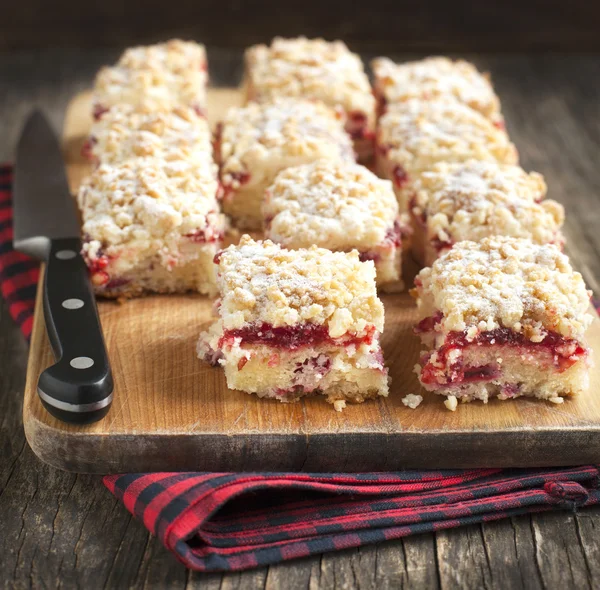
x=64 y=530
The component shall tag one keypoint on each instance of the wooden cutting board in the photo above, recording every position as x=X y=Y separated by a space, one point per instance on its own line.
x=173 y=412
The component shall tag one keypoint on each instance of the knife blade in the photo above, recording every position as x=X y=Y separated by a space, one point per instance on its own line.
x=78 y=388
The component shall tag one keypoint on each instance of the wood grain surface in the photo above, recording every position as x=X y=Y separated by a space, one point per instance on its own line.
x=172 y=411
x=63 y=530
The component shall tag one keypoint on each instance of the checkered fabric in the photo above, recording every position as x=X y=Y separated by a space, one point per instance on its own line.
x=18 y=273
x=229 y=521
x=236 y=521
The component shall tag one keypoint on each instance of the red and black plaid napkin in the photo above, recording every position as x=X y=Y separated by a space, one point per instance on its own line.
x=235 y=521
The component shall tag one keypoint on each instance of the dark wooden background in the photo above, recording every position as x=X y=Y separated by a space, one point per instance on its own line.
x=375 y=25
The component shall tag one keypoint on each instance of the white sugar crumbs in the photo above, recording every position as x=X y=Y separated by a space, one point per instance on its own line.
x=451 y=403
x=412 y=401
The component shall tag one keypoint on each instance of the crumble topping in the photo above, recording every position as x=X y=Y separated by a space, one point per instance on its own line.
x=262 y=137
x=261 y=282
x=418 y=134
x=472 y=200
x=337 y=204
x=310 y=68
x=125 y=132
x=144 y=206
x=412 y=401
x=434 y=77
x=158 y=77
x=505 y=282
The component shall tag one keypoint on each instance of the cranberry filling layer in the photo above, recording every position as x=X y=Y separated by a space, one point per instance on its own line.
x=98 y=111
x=393 y=239
x=292 y=337
x=429 y=323
x=237 y=180
x=564 y=352
x=399 y=175
x=440 y=245
x=381 y=103
x=96 y=266
x=206 y=235
x=356 y=126
x=88 y=147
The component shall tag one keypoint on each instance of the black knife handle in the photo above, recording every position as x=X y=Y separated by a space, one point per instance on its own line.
x=78 y=388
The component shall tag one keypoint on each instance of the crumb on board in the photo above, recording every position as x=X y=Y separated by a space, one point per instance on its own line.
x=557 y=400
x=451 y=403
x=412 y=401
x=339 y=405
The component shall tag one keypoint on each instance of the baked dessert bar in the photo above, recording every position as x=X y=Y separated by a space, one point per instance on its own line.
x=127 y=132
x=432 y=78
x=338 y=205
x=474 y=200
x=296 y=322
x=258 y=141
x=417 y=134
x=502 y=317
x=157 y=77
x=151 y=226
x=315 y=69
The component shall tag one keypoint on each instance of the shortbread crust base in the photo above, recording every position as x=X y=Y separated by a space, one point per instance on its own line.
x=196 y=274
x=521 y=374
x=341 y=374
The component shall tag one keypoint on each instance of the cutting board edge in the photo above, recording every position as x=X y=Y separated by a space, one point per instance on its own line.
x=100 y=453
x=326 y=451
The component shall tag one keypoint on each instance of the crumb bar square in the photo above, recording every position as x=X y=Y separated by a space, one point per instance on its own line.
x=341 y=206
x=297 y=322
x=315 y=69
x=151 y=226
x=505 y=318
x=432 y=78
x=256 y=142
x=156 y=77
x=417 y=134
x=474 y=200
x=127 y=132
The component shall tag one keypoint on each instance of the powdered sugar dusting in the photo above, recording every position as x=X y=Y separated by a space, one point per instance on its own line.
x=309 y=68
x=433 y=77
x=262 y=282
x=418 y=134
x=472 y=200
x=336 y=204
x=161 y=76
x=505 y=282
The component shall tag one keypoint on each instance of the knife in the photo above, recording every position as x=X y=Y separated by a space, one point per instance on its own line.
x=78 y=388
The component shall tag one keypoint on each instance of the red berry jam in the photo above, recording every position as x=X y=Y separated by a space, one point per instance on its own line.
x=365 y=256
x=399 y=175
x=239 y=177
x=98 y=111
x=381 y=103
x=207 y=235
x=440 y=245
x=88 y=147
x=564 y=352
x=319 y=364
x=356 y=126
x=98 y=264
x=291 y=337
x=429 y=323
